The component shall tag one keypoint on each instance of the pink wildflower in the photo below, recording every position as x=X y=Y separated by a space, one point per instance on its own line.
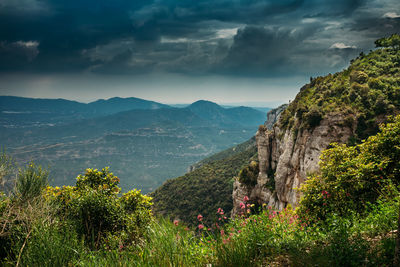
x=201 y=226
x=245 y=199
x=220 y=211
x=242 y=206
x=222 y=232
x=199 y=217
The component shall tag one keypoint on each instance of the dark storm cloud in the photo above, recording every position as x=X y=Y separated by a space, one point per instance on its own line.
x=262 y=51
x=246 y=37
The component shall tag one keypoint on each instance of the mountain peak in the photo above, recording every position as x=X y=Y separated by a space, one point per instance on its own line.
x=204 y=103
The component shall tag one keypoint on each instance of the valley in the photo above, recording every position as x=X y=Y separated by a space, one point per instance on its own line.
x=143 y=146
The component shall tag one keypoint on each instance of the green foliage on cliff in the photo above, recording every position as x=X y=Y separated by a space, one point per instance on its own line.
x=205 y=189
x=392 y=41
x=353 y=176
x=248 y=175
x=363 y=93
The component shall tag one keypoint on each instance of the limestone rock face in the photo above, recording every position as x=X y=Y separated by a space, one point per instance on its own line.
x=273 y=116
x=288 y=156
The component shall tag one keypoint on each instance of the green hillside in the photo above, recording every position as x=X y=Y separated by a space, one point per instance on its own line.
x=366 y=91
x=205 y=189
x=225 y=154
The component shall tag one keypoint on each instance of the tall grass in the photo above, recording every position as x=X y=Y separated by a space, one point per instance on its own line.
x=30 y=182
x=52 y=245
x=167 y=245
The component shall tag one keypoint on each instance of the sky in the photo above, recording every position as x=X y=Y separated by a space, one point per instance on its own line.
x=180 y=51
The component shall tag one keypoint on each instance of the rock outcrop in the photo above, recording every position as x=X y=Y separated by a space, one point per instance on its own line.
x=287 y=156
x=273 y=116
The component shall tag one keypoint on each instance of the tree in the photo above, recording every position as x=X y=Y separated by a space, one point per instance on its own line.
x=392 y=41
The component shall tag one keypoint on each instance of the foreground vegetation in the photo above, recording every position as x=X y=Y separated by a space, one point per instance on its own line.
x=91 y=224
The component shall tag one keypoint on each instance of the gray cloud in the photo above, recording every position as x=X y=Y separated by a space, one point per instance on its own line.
x=17 y=53
x=202 y=37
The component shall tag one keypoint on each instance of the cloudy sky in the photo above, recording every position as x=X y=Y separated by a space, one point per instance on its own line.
x=178 y=51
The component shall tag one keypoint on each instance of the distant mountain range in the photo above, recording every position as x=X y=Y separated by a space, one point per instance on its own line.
x=21 y=111
x=144 y=142
x=259 y=108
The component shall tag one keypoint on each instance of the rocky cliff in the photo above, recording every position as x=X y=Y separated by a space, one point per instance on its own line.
x=288 y=157
x=344 y=107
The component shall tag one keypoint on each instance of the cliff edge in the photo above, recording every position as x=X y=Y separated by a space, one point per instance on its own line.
x=345 y=107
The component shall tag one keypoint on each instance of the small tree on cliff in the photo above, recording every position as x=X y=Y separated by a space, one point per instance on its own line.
x=392 y=41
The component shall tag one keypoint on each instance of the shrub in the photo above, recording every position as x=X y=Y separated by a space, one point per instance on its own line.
x=138 y=210
x=95 y=214
x=392 y=41
x=352 y=176
x=30 y=182
x=360 y=89
x=248 y=175
x=376 y=84
x=103 y=181
x=313 y=117
x=262 y=128
x=98 y=213
x=358 y=77
x=6 y=166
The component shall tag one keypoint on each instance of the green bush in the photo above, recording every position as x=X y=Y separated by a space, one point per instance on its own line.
x=95 y=214
x=313 y=117
x=98 y=213
x=358 y=76
x=102 y=181
x=352 y=176
x=376 y=84
x=30 y=182
x=248 y=175
x=392 y=41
